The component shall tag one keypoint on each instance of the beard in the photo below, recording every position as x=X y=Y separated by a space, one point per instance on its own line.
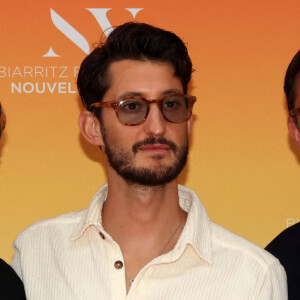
x=122 y=161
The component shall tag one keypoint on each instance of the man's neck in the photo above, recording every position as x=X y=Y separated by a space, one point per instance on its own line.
x=146 y=222
x=140 y=208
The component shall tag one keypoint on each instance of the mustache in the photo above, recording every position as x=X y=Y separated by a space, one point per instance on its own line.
x=151 y=140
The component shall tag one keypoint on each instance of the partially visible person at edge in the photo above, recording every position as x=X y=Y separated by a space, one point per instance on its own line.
x=286 y=246
x=11 y=286
x=143 y=235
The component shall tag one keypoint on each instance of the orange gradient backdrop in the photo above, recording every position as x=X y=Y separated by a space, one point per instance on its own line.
x=242 y=163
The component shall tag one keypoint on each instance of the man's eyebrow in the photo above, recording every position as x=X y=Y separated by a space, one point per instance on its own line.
x=167 y=92
x=129 y=94
x=172 y=91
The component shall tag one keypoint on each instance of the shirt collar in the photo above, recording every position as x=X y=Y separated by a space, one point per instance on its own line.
x=197 y=230
x=92 y=216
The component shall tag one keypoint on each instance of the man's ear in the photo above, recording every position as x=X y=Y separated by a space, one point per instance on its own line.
x=90 y=128
x=294 y=131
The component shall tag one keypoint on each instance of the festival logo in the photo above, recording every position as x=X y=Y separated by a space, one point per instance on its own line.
x=53 y=78
x=100 y=14
x=291 y=221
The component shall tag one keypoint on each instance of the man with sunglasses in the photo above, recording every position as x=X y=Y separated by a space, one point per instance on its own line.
x=286 y=246
x=143 y=236
x=11 y=287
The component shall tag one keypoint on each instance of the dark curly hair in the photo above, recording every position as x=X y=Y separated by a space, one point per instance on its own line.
x=2 y=120
x=136 y=41
x=290 y=80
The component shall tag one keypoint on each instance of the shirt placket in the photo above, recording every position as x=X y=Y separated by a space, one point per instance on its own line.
x=116 y=268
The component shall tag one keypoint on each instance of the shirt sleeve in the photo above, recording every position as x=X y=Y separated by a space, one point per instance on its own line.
x=273 y=285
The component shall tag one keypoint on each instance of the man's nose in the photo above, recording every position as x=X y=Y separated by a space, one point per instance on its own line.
x=155 y=123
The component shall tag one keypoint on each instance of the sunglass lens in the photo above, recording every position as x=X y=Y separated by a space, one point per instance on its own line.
x=132 y=111
x=175 y=109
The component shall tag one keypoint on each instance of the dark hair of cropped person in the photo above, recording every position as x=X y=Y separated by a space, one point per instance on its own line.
x=2 y=120
x=134 y=41
x=290 y=80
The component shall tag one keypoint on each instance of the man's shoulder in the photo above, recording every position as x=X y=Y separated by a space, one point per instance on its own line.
x=286 y=247
x=11 y=286
x=64 y=227
x=61 y=222
x=240 y=247
x=228 y=245
x=287 y=238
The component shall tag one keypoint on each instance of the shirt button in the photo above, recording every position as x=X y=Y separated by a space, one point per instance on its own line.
x=118 y=264
x=102 y=235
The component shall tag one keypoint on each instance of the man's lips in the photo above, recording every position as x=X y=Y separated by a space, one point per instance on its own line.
x=153 y=144
x=154 y=147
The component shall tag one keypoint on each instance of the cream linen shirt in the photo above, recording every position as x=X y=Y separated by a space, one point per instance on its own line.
x=72 y=257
